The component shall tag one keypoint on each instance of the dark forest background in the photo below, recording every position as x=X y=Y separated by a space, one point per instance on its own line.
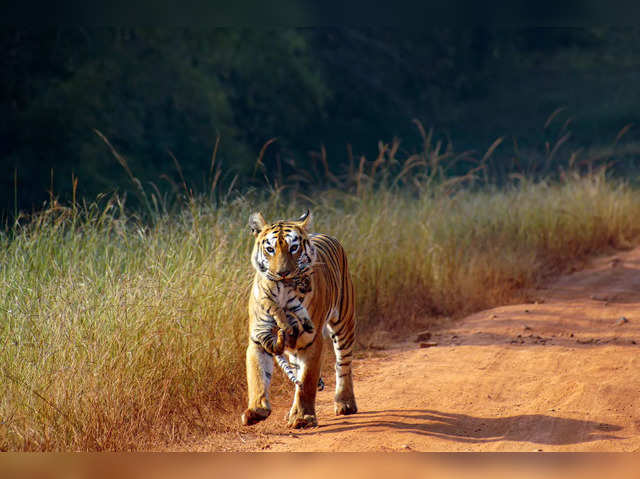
x=163 y=97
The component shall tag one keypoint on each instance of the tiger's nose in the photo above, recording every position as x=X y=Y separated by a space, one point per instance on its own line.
x=284 y=273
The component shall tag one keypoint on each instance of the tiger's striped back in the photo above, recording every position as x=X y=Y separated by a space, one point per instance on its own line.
x=333 y=300
x=334 y=294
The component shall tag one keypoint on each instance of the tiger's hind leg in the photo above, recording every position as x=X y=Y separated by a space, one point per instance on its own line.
x=303 y=410
x=342 y=336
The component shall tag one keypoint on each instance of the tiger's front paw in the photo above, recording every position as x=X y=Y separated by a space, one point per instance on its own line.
x=302 y=421
x=254 y=416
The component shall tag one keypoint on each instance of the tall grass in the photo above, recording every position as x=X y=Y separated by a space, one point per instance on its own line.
x=118 y=334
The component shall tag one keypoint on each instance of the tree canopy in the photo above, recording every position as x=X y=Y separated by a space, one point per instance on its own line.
x=162 y=97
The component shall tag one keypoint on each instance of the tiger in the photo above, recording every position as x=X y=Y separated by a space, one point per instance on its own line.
x=298 y=274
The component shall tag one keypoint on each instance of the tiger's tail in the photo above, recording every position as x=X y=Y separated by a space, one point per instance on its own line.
x=291 y=371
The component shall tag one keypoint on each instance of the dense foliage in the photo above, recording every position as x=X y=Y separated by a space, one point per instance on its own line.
x=157 y=94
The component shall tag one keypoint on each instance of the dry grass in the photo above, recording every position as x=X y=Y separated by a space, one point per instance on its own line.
x=118 y=335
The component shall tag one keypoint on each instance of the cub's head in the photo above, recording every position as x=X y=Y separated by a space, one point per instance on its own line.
x=282 y=250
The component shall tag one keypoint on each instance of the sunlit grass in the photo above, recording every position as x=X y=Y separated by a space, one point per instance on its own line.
x=121 y=334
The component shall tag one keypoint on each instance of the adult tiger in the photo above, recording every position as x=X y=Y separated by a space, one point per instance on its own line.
x=299 y=275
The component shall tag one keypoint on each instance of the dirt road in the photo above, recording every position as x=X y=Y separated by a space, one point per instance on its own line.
x=559 y=374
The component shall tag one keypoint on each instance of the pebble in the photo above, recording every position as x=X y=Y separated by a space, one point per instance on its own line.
x=423 y=336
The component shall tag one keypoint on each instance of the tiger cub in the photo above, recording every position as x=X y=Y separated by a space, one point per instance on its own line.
x=280 y=302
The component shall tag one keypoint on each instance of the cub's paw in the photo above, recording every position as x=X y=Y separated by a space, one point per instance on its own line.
x=278 y=347
x=308 y=327
x=344 y=408
x=253 y=416
x=302 y=422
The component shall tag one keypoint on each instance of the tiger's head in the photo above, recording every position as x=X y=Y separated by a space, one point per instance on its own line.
x=281 y=250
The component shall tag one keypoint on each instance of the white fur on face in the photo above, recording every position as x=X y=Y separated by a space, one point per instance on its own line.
x=292 y=239
x=270 y=241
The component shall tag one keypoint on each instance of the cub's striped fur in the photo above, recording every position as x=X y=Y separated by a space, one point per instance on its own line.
x=301 y=286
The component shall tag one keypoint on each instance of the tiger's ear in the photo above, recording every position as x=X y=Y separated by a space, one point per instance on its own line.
x=304 y=221
x=256 y=223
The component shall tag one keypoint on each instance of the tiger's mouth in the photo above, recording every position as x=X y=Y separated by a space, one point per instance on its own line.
x=272 y=276
x=277 y=277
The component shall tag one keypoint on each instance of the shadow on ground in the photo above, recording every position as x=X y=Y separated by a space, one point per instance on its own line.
x=535 y=428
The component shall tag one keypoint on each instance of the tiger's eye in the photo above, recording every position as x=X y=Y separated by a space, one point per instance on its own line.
x=270 y=250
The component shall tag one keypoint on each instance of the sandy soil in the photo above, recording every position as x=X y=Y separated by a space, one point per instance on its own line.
x=559 y=374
